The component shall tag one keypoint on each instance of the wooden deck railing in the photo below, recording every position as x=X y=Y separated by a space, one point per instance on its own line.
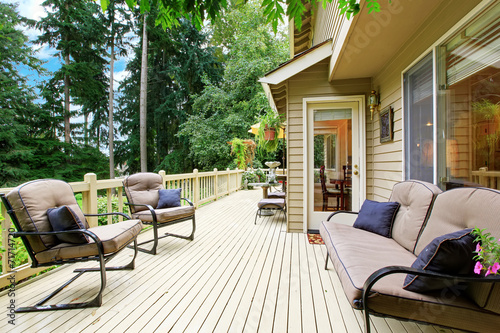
x=487 y=178
x=199 y=187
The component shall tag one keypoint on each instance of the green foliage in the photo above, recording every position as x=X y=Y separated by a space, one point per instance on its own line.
x=270 y=121
x=227 y=110
x=239 y=149
x=253 y=176
x=178 y=60
x=102 y=207
x=168 y=13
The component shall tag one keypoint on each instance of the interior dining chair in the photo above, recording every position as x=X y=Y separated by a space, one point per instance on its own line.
x=328 y=192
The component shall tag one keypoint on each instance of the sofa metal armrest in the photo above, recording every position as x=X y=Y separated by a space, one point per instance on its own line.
x=151 y=210
x=340 y=212
x=188 y=201
x=379 y=274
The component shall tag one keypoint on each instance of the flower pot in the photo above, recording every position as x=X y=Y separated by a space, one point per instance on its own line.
x=269 y=134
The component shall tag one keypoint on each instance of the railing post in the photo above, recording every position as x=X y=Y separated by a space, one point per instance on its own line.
x=228 y=181
x=162 y=173
x=216 y=184
x=90 y=198
x=196 y=194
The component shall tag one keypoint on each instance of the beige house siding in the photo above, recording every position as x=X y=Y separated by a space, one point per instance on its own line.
x=312 y=82
x=327 y=23
x=385 y=160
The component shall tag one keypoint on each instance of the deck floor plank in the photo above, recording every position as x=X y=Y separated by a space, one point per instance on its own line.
x=234 y=277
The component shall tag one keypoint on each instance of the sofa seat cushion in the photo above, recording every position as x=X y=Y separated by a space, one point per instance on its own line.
x=356 y=254
x=114 y=237
x=165 y=215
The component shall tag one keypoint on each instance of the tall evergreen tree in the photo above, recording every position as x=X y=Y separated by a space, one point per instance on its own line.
x=118 y=22
x=178 y=59
x=75 y=29
x=16 y=98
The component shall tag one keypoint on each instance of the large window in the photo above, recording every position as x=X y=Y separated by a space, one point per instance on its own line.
x=467 y=91
x=419 y=121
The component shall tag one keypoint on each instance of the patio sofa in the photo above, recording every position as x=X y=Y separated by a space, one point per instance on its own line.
x=373 y=269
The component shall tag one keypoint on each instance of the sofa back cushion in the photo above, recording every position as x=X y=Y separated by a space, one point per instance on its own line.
x=30 y=202
x=142 y=188
x=464 y=208
x=416 y=198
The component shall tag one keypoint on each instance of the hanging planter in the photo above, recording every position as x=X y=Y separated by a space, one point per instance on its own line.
x=270 y=125
x=269 y=133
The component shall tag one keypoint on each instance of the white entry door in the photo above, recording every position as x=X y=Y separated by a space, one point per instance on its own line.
x=335 y=164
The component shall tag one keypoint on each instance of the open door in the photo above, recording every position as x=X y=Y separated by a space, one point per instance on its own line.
x=335 y=157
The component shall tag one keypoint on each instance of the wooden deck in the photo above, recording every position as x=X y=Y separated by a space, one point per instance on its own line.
x=234 y=277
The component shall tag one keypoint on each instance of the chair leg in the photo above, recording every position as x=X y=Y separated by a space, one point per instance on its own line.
x=95 y=302
x=190 y=237
x=156 y=237
x=326 y=260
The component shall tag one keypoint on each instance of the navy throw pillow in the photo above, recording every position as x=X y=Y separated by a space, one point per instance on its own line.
x=64 y=218
x=377 y=217
x=169 y=198
x=448 y=254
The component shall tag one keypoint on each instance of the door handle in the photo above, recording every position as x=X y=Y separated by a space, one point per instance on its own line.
x=355 y=172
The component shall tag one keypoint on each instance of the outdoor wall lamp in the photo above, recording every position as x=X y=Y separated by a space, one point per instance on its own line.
x=373 y=102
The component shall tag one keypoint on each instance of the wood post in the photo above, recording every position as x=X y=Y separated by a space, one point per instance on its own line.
x=196 y=194
x=216 y=184
x=90 y=198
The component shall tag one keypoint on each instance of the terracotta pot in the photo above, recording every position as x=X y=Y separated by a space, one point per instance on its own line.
x=269 y=134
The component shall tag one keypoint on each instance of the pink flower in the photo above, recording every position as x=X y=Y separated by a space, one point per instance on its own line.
x=478 y=248
x=478 y=268
x=495 y=268
x=488 y=272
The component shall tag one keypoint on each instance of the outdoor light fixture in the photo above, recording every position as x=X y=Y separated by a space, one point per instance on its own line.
x=373 y=102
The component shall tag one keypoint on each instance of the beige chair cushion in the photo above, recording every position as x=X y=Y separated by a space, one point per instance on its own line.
x=142 y=188
x=30 y=202
x=114 y=237
x=165 y=215
x=415 y=198
x=271 y=203
x=464 y=208
x=358 y=253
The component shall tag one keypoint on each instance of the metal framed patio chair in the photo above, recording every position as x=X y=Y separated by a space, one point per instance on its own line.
x=54 y=231
x=269 y=205
x=143 y=194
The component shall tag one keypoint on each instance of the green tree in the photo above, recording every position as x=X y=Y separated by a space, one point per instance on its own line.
x=170 y=12
x=117 y=21
x=227 y=110
x=178 y=59
x=75 y=29
x=16 y=98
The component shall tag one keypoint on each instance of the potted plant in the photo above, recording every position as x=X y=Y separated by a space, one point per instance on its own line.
x=270 y=125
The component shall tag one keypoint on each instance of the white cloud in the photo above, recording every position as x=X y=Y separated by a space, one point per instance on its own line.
x=120 y=76
x=31 y=9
